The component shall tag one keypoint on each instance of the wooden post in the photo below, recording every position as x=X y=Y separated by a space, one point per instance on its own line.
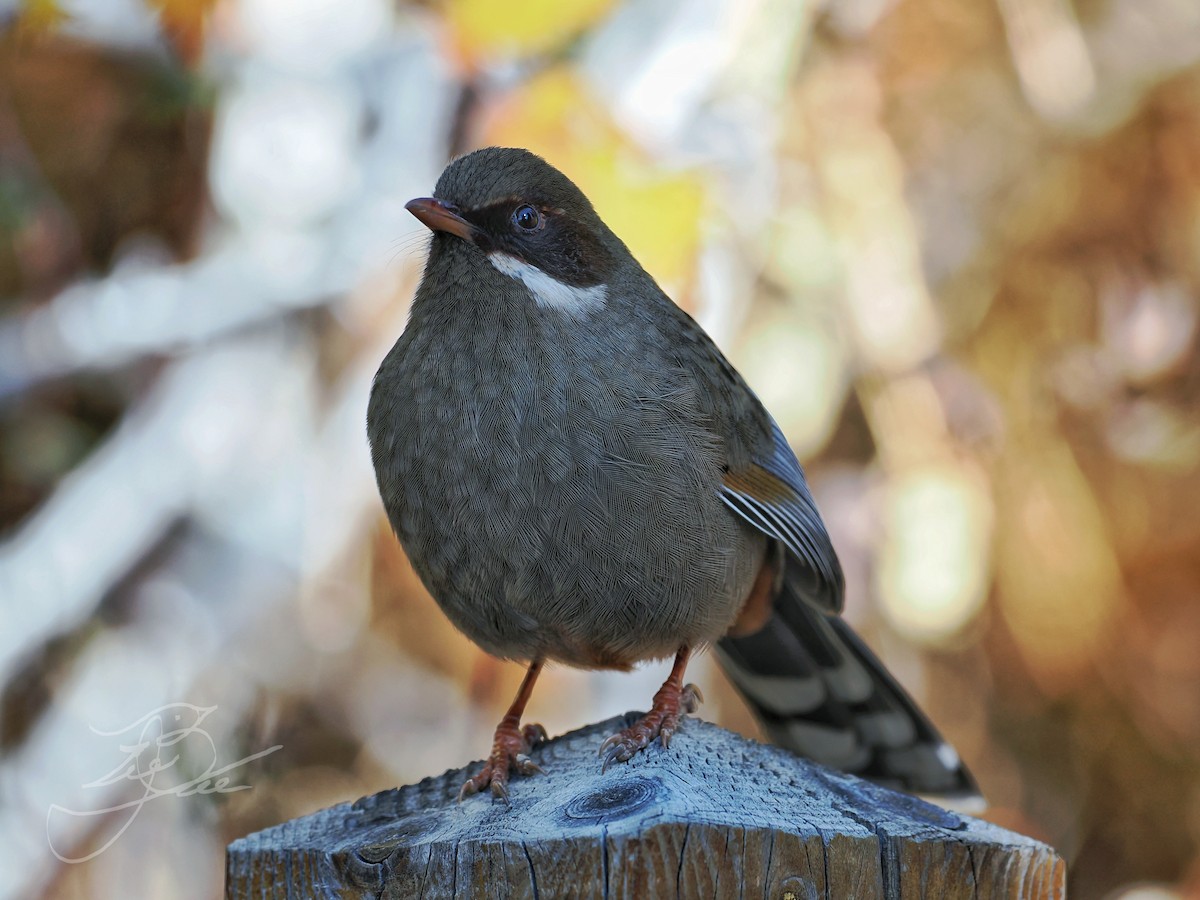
x=716 y=815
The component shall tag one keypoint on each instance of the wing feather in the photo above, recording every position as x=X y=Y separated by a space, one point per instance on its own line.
x=773 y=496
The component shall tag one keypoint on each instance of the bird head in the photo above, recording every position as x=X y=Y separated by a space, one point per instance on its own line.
x=509 y=211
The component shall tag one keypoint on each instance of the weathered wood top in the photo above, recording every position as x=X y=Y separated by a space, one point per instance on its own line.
x=716 y=815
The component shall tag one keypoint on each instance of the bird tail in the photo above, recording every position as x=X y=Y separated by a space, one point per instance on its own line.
x=819 y=692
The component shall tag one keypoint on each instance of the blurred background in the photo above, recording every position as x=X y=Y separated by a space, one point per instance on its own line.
x=955 y=247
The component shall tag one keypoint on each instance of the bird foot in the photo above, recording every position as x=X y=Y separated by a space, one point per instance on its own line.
x=510 y=747
x=671 y=704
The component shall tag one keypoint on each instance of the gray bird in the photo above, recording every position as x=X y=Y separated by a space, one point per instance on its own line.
x=578 y=474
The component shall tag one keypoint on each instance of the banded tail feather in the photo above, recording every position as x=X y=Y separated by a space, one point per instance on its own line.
x=820 y=692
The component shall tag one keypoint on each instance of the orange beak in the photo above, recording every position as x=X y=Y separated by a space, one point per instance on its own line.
x=437 y=215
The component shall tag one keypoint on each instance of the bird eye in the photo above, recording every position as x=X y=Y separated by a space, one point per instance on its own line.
x=527 y=218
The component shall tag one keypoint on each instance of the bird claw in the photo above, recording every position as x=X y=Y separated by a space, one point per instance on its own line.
x=527 y=766
x=510 y=748
x=473 y=784
x=662 y=721
x=500 y=789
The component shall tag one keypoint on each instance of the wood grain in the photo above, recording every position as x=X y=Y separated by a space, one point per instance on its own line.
x=716 y=815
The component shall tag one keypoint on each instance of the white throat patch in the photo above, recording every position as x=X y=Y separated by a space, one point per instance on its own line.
x=549 y=291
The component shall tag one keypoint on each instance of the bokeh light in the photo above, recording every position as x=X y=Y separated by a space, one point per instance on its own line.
x=953 y=247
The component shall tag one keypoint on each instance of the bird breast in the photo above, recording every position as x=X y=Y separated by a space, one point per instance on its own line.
x=559 y=497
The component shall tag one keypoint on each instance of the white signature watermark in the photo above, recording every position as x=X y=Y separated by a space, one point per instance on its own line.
x=153 y=761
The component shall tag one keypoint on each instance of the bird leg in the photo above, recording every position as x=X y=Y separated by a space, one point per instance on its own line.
x=510 y=745
x=672 y=701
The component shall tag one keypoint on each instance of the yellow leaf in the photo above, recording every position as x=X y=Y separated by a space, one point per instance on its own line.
x=656 y=212
x=184 y=22
x=486 y=29
x=40 y=17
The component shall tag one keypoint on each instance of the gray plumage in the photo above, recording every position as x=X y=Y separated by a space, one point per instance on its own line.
x=595 y=484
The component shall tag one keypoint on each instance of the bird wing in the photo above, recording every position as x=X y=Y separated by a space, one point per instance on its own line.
x=772 y=495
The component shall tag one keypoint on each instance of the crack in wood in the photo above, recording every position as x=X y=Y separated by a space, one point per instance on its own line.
x=889 y=864
x=687 y=830
x=532 y=871
x=604 y=857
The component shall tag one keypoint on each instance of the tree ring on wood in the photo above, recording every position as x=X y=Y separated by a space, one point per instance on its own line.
x=614 y=800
